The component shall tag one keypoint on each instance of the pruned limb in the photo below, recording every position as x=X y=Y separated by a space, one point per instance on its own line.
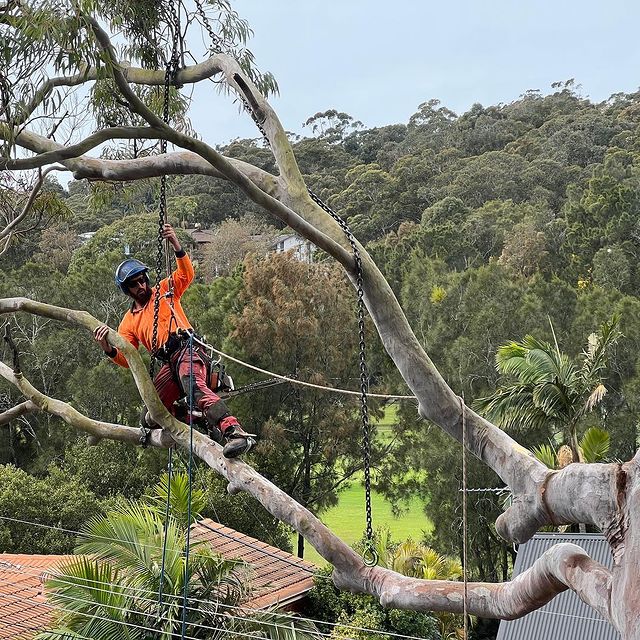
x=563 y=566
x=19 y=410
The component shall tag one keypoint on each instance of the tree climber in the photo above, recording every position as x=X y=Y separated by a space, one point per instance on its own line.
x=173 y=380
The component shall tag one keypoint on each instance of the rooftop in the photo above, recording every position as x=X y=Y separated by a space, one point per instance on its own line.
x=566 y=617
x=277 y=578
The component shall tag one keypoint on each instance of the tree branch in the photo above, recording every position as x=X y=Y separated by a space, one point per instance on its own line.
x=19 y=410
x=564 y=566
x=180 y=163
x=287 y=215
x=10 y=228
x=96 y=428
x=72 y=151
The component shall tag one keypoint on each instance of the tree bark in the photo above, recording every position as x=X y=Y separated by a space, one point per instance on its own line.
x=604 y=496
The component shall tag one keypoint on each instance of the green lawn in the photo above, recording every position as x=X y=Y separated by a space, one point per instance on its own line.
x=347 y=518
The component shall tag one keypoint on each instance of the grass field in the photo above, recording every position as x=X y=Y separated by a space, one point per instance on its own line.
x=347 y=518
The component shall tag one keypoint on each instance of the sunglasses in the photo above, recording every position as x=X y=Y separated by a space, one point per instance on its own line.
x=138 y=280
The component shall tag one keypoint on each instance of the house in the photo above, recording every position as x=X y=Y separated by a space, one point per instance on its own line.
x=566 y=617
x=277 y=578
x=303 y=249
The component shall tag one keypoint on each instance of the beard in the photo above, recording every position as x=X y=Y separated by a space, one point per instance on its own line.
x=143 y=296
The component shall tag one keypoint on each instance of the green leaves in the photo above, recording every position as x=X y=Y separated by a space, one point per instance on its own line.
x=595 y=444
x=544 y=387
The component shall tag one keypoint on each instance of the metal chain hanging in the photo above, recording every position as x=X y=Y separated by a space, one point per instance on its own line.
x=370 y=555
x=170 y=70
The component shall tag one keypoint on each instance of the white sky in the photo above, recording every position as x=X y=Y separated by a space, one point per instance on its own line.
x=378 y=61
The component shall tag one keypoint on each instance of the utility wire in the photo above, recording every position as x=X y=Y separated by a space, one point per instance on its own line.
x=153 y=546
x=244 y=610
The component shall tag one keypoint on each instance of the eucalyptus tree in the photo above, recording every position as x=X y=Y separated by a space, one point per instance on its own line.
x=72 y=44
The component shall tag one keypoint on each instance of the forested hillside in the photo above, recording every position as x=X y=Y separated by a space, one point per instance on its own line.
x=507 y=220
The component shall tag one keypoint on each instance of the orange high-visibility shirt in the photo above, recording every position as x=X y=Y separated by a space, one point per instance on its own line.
x=137 y=326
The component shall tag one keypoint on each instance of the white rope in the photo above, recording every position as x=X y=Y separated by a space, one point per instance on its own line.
x=301 y=382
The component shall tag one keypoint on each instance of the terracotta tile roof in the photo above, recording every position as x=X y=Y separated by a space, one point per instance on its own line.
x=277 y=577
x=23 y=611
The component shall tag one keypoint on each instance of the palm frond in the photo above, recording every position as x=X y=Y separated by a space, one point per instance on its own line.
x=546 y=454
x=595 y=444
x=179 y=498
x=275 y=626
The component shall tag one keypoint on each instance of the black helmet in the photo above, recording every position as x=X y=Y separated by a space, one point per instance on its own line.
x=128 y=269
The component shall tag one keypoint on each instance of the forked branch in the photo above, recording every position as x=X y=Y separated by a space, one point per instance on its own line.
x=562 y=567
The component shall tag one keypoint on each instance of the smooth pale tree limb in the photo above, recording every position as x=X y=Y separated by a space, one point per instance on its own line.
x=73 y=151
x=179 y=163
x=562 y=567
x=96 y=428
x=21 y=409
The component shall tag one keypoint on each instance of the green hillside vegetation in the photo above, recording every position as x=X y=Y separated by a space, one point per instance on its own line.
x=490 y=225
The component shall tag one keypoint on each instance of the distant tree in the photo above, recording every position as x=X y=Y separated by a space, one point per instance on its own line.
x=232 y=241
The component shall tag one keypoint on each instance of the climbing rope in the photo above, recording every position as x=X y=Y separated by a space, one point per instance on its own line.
x=464 y=517
x=185 y=591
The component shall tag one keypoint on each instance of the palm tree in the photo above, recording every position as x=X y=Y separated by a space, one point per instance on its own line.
x=420 y=561
x=112 y=591
x=546 y=387
x=593 y=447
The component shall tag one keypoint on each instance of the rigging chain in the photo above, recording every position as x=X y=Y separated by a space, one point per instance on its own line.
x=169 y=73
x=370 y=555
x=171 y=68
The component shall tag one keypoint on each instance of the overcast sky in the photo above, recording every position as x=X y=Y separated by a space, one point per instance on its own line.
x=378 y=61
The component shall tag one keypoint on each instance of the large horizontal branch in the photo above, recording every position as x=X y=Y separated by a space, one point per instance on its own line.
x=563 y=566
x=14 y=413
x=187 y=75
x=178 y=163
x=75 y=150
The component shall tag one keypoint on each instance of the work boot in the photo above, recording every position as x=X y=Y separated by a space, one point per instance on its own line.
x=238 y=441
x=215 y=434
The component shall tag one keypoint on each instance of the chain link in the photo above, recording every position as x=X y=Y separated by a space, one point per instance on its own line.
x=169 y=74
x=370 y=554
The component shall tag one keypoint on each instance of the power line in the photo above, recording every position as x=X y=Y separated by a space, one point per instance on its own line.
x=151 y=546
x=235 y=608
